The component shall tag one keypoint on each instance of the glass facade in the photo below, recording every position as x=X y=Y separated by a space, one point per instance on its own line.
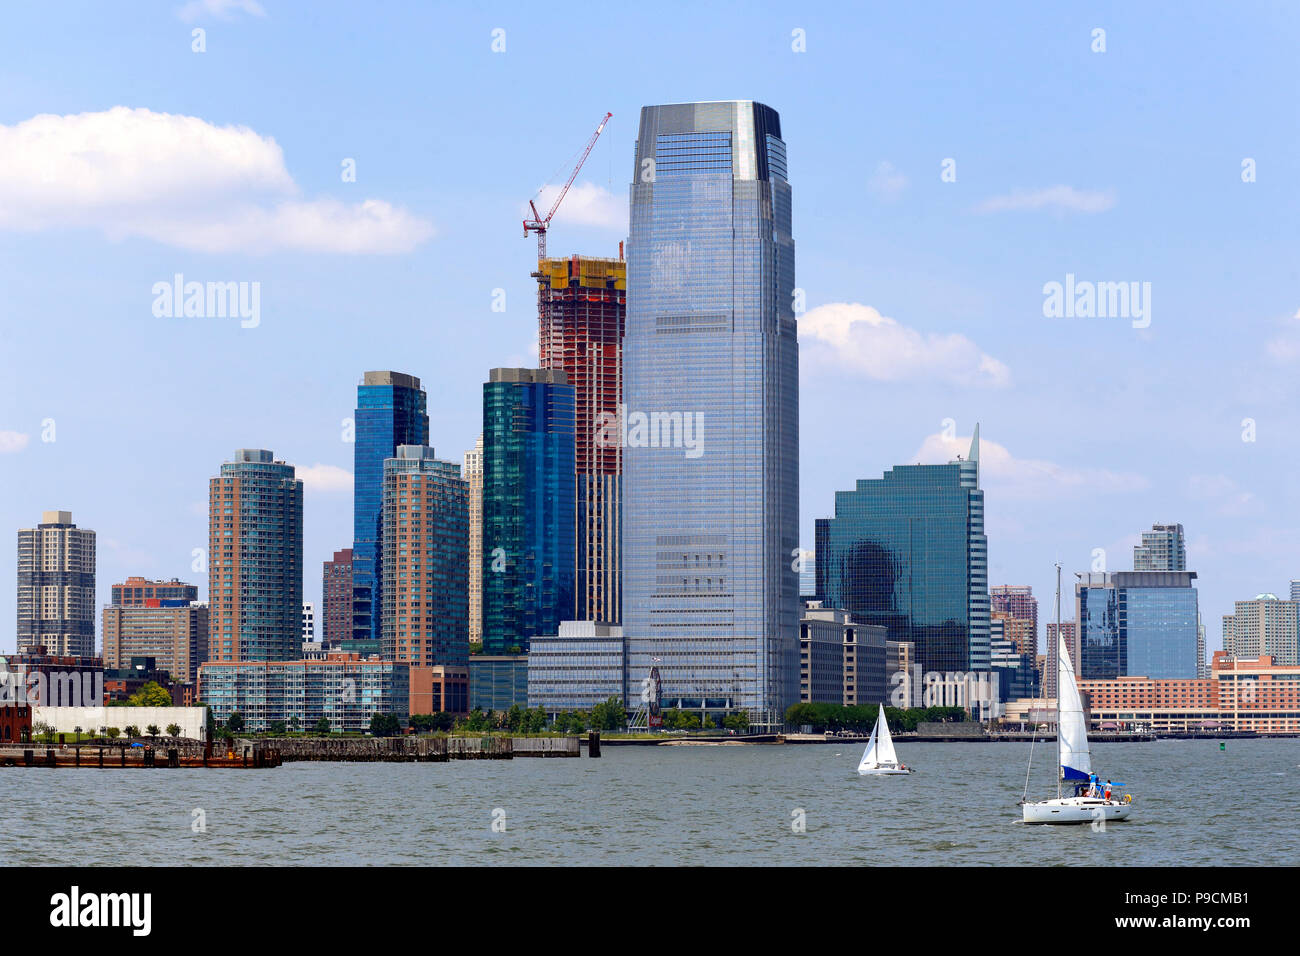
x=1138 y=624
x=578 y=669
x=711 y=489
x=908 y=551
x=391 y=411
x=529 y=507
x=1101 y=640
x=498 y=682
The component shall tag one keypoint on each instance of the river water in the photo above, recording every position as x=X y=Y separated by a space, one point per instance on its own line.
x=1193 y=804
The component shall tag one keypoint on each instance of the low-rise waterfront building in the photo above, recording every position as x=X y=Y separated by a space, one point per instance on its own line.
x=498 y=681
x=841 y=661
x=582 y=666
x=439 y=689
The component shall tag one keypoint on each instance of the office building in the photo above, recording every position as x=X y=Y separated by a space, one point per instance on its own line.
x=1137 y=623
x=425 y=619
x=498 y=682
x=1162 y=549
x=1265 y=625
x=391 y=411
x=336 y=599
x=172 y=633
x=582 y=302
x=56 y=587
x=439 y=689
x=840 y=660
x=472 y=472
x=344 y=688
x=529 y=511
x=578 y=668
x=254 y=560
x=711 y=385
x=908 y=551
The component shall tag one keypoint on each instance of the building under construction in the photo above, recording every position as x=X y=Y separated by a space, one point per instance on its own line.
x=582 y=302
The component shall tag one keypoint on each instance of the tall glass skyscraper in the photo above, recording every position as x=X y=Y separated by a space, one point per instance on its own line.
x=711 y=388
x=391 y=411
x=529 y=507
x=908 y=551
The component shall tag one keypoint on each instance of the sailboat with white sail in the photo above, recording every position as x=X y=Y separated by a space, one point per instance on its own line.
x=880 y=758
x=1091 y=799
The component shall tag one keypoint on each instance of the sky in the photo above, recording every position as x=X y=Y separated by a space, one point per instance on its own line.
x=947 y=164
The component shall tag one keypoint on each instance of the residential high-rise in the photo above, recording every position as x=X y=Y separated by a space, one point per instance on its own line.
x=582 y=303
x=137 y=592
x=425 y=618
x=173 y=632
x=391 y=411
x=255 y=560
x=1295 y=591
x=1137 y=623
x=56 y=587
x=711 y=386
x=472 y=472
x=1162 y=549
x=1264 y=625
x=308 y=622
x=1019 y=609
x=336 y=599
x=908 y=551
x=528 y=563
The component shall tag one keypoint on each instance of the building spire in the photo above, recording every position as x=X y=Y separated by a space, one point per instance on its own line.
x=975 y=446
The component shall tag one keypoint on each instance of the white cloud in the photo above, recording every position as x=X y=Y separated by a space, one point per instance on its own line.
x=1229 y=498
x=1026 y=477
x=887 y=183
x=1285 y=347
x=221 y=9
x=327 y=478
x=12 y=442
x=587 y=204
x=182 y=181
x=1054 y=198
x=860 y=338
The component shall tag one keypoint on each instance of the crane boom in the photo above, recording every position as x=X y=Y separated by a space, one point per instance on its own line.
x=539 y=224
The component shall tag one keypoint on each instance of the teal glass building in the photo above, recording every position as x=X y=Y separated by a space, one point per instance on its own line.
x=391 y=411
x=711 y=387
x=1138 y=624
x=908 y=551
x=529 y=507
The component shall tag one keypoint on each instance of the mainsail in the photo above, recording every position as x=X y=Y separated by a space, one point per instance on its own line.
x=1072 y=728
x=880 y=748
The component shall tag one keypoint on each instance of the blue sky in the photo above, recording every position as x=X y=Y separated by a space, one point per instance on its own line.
x=925 y=297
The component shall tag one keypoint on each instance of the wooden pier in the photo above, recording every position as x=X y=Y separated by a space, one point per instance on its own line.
x=119 y=756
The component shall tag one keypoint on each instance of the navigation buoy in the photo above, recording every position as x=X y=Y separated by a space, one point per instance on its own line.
x=1222 y=745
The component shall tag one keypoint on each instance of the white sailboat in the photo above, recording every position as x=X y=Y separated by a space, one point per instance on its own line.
x=880 y=758
x=1091 y=800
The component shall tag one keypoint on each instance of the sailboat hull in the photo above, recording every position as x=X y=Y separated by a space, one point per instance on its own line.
x=883 y=771
x=1076 y=810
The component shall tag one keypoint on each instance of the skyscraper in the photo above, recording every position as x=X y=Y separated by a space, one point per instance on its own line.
x=1019 y=609
x=1266 y=624
x=528 y=506
x=582 y=303
x=472 y=472
x=336 y=598
x=425 y=619
x=391 y=411
x=1137 y=624
x=908 y=551
x=1162 y=549
x=711 y=386
x=1070 y=631
x=255 y=560
x=56 y=587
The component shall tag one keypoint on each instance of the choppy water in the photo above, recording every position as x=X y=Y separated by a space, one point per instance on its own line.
x=664 y=805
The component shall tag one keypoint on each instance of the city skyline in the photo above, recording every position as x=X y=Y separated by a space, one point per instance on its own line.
x=328 y=315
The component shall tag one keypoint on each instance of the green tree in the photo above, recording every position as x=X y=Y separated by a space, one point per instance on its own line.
x=322 y=727
x=738 y=721
x=277 y=727
x=132 y=730
x=235 y=722
x=152 y=694
x=173 y=730
x=385 y=725
x=113 y=733
x=153 y=730
x=295 y=723
x=609 y=715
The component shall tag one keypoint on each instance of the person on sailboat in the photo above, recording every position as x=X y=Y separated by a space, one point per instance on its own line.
x=1108 y=790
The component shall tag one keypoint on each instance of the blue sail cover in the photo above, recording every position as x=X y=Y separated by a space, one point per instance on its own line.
x=1069 y=773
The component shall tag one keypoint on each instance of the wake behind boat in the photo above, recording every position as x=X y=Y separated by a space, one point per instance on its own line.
x=880 y=758
x=1091 y=800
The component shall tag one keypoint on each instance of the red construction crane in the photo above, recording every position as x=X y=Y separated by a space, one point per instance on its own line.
x=539 y=224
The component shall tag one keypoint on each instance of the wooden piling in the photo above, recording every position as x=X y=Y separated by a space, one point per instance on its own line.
x=593 y=743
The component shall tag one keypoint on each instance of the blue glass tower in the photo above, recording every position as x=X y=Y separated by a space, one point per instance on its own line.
x=908 y=551
x=711 y=437
x=1138 y=624
x=391 y=411
x=529 y=507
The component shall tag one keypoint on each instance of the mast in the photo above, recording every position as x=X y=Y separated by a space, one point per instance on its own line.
x=1058 y=680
